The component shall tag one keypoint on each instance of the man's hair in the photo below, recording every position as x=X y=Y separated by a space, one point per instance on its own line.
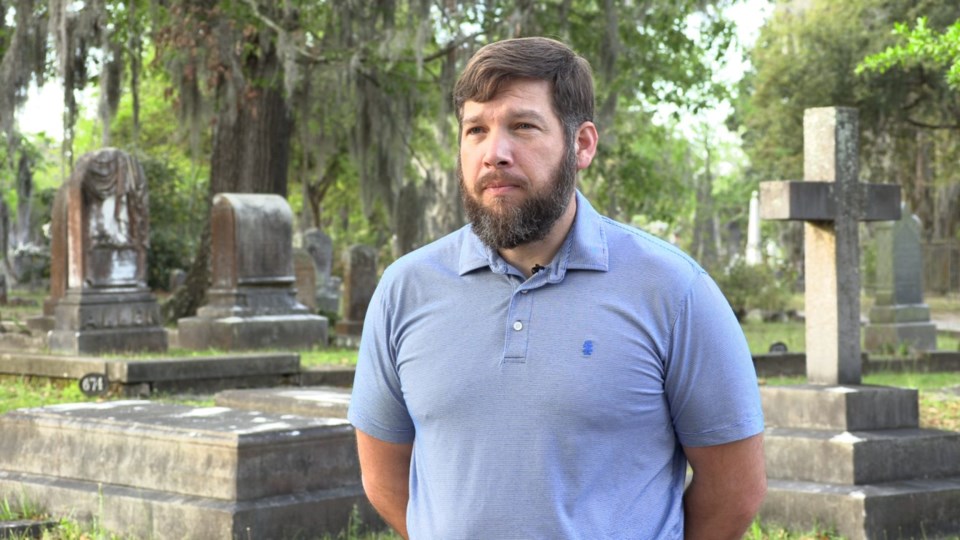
x=539 y=58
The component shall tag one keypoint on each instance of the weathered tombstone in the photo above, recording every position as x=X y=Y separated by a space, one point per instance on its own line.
x=838 y=453
x=753 y=256
x=899 y=317
x=58 y=263
x=252 y=302
x=360 y=267
x=107 y=305
x=305 y=273
x=320 y=246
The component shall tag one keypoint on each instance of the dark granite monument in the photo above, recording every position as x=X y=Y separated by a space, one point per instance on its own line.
x=102 y=254
x=252 y=303
x=899 y=317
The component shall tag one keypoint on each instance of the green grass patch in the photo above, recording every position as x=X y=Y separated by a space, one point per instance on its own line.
x=760 y=335
x=328 y=357
x=18 y=392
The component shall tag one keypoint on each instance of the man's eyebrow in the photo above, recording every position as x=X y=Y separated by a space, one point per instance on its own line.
x=520 y=114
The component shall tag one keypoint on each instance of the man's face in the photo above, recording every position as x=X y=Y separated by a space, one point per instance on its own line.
x=517 y=173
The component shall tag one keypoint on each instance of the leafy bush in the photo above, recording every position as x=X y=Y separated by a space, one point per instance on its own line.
x=754 y=287
x=177 y=215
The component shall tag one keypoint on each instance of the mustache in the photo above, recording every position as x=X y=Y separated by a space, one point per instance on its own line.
x=499 y=177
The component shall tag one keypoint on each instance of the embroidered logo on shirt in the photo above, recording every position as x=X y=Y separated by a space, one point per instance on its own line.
x=588 y=347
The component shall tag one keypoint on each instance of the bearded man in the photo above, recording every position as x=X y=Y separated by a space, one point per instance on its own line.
x=546 y=372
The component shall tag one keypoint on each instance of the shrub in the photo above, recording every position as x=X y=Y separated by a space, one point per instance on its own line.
x=754 y=287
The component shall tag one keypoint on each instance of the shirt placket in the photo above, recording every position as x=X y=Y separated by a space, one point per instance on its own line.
x=518 y=325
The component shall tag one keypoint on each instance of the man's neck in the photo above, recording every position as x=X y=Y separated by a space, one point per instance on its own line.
x=539 y=254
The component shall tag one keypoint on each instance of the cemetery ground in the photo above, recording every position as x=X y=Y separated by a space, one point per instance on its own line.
x=939 y=395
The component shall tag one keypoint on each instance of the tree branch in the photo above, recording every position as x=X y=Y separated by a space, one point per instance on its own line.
x=281 y=31
x=924 y=125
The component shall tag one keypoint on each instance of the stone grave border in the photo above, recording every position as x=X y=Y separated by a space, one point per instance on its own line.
x=206 y=374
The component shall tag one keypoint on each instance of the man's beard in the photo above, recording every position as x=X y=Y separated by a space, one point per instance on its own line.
x=503 y=225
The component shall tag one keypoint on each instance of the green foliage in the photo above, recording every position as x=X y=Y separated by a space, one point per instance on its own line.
x=176 y=219
x=754 y=287
x=920 y=46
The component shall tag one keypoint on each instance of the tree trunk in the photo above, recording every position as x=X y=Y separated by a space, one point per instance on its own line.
x=251 y=154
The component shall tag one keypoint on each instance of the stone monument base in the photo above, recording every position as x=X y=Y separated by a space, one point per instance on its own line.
x=107 y=320
x=261 y=332
x=921 y=336
x=40 y=324
x=151 y=470
x=853 y=458
x=896 y=325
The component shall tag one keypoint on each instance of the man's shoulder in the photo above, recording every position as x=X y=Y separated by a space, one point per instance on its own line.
x=443 y=253
x=636 y=248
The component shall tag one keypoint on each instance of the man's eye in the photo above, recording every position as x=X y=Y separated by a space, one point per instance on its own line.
x=524 y=125
x=473 y=130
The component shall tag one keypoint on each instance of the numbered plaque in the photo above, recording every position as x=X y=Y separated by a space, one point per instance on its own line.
x=94 y=384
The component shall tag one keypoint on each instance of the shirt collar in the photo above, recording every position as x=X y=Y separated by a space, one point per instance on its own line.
x=585 y=247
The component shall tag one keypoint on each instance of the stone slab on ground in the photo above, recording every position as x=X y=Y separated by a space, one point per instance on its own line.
x=144 y=376
x=924 y=508
x=323 y=401
x=174 y=471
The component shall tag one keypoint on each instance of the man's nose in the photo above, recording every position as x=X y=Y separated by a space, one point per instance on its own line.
x=499 y=151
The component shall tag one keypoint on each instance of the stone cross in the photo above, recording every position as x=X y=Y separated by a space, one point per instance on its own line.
x=831 y=202
x=753 y=257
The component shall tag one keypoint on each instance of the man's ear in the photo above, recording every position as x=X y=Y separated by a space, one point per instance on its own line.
x=586 y=144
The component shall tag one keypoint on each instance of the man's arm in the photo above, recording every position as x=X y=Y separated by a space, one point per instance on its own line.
x=729 y=483
x=385 y=472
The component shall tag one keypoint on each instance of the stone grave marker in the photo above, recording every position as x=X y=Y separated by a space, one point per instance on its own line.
x=58 y=263
x=305 y=273
x=838 y=453
x=252 y=302
x=320 y=246
x=899 y=316
x=360 y=264
x=102 y=257
x=753 y=255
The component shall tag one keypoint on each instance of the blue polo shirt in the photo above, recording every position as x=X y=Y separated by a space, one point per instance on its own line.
x=556 y=406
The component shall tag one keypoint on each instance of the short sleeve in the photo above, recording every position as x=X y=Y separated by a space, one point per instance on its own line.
x=377 y=407
x=710 y=380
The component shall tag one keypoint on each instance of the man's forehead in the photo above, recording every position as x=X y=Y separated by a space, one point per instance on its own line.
x=520 y=98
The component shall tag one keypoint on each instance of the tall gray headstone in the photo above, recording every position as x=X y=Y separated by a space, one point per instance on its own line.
x=320 y=246
x=838 y=453
x=899 y=317
x=252 y=302
x=360 y=264
x=107 y=305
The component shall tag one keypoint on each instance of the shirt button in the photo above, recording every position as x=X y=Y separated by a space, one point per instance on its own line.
x=517 y=325
x=525 y=291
